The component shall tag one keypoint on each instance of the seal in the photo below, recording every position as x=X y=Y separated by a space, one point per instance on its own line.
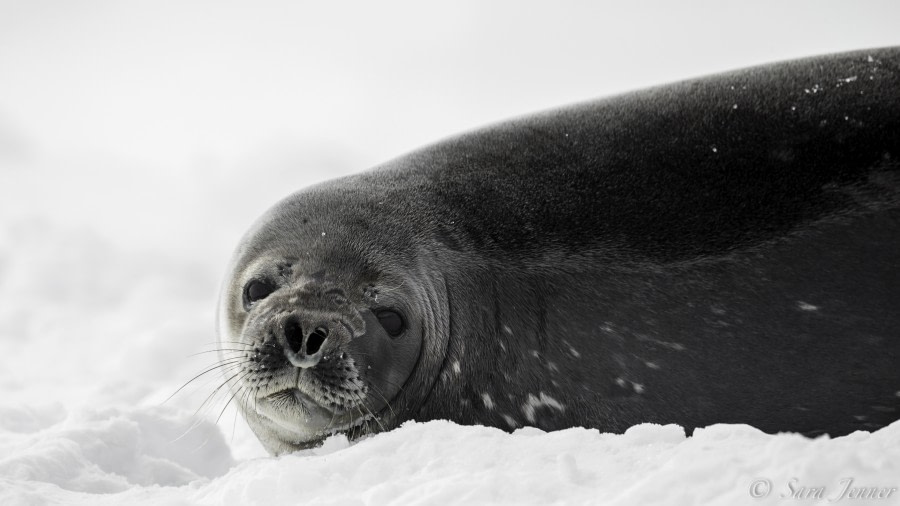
x=719 y=250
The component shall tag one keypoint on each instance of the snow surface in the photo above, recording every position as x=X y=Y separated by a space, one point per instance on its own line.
x=115 y=456
x=139 y=141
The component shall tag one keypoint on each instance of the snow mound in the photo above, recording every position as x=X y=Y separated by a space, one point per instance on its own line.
x=140 y=457
x=110 y=450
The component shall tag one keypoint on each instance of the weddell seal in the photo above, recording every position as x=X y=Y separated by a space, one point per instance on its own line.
x=718 y=250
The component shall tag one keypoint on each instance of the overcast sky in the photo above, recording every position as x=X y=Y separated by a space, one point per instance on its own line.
x=151 y=121
x=194 y=81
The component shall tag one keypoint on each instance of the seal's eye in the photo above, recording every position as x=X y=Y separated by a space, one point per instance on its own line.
x=257 y=290
x=391 y=321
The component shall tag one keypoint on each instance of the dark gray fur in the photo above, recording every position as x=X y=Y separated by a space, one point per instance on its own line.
x=725 y=249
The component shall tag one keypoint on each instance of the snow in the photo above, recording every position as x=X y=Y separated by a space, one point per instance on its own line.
x=131 y=163
x=142 y=456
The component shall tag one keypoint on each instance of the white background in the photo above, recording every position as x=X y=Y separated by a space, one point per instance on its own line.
x=138 y=140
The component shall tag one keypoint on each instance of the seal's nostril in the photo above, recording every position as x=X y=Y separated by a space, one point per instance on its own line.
x=294 y=335
x=315 y=340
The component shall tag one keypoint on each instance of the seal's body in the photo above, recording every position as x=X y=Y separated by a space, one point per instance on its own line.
x=718 y=250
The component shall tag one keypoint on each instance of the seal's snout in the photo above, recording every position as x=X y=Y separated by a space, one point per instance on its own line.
x=303 y=347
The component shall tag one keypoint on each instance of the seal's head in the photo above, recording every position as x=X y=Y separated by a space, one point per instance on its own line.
x=321 y=326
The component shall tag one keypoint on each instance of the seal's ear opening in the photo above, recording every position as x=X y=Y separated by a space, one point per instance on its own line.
x=391 y=321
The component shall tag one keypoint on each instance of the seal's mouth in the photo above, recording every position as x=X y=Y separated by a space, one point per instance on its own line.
x=309 y=367
x=294 y=411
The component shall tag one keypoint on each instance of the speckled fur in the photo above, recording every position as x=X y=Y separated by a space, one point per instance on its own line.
x=651 y=257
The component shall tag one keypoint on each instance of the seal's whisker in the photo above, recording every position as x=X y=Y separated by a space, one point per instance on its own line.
x=241 y=401
x=333 y=415
x=249 y=391
x=398 y=386
x=197 y=418
x=225 y=368
x=362 y=404
x=231 y=399
x=225 y=341
x=226 y=350
x=359 y=430
x=210 y=399
x=239 y=390
x=386 y=402
x=207 y=371
x=218 y=388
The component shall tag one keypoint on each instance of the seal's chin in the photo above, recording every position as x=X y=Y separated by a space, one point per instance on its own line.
x=296 y=413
